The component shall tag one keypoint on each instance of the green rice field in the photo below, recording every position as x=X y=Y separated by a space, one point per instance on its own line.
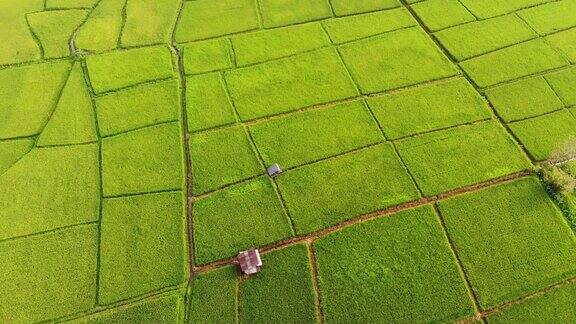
x=135 y=137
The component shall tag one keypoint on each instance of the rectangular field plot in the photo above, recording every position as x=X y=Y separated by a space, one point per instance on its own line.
x=392 y=269
x=545 y=135
x=556 y=306
x=165 y=309
x=331 y=191
x=115 y=70
x=565 y=42
x=207 y=102
x=313 y=135
x=288 y=84
x=148 y=21
x=453 y=158
x=237 y=218
x=484 y=36
x=564 y=84
x=490 y=8
x=511 y=239
x=213 y=296
x=346 y=29
x=428 y=108
x=551 y=17
x=277 y=13
x=282 y=292
x=206 y=56
x=439 y=14
x=277 y=43
x=513 y=62
x=524 y=99
x=395 y=60
x=348 y=7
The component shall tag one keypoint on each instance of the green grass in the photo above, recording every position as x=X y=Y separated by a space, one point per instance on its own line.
x=331 y=191
x=222 y=157
x=165 y=309
x=213 y=296
x=551 y=17
x=282 y=292
x=277 y=13
x=115 y=70
x=142 y=161
x=395 y=60
x=393 y=269
x=18 y=44
x=49 y=188
x=556 y=306
x=203 y=19
x=428 y=108
x=524 y=99
x=54 y=28
x=511 y=239
x=565 y=42
x=440 y=14
x=277 y=43
x=102 y=29
x=149 y=22
x=142 y=245
x=70 y=4
x=137 y=107
x=252 y=209
x=513 y=62
x=314 y=135
x=207 y=102
x=465 y=155
x=72 y=122
x=489 y=8
x=48 y=276
x=26 y=105
x=544 y=135
x=207 y=56
x=346 y=29
x=288 y=84
x=564 y=84
x=347 y=7
x=484 y=36
x=12 y=151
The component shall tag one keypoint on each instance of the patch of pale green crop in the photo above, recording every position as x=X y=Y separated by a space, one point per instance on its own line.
x=213 y=296
x=551 y=17
x=282 y=292
x=348 y=7
x=237 y=218
x=276 y=13
x=484 y=36
x=465 y=155
x=490 y=8
x=26 y=105
x=439 y=14
x=428 y=108
x=54 y=29
x=49 y=275
x=143 y=245
x=102 y=29
x=149 y=22
x=565 y=41
x=222 y=157
x=524 y=99
x=137 y=107
x=49 y=188
x=555 y=306
x=18 y=44
x=206 y=56
x=314 y=135
x=346 y=29
x=12 y=151
x=207 y=102
x=73 y=120
x=511 y=239
x=542 y=136
x=165 y=309
x=284 y=85
x=115 y=70
x=203 y=19
x=277 y=43
x=393 y=269
x=564 y=84
x=513 y=62
x=145 y=160
x=329 y=192
x=395 y=60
